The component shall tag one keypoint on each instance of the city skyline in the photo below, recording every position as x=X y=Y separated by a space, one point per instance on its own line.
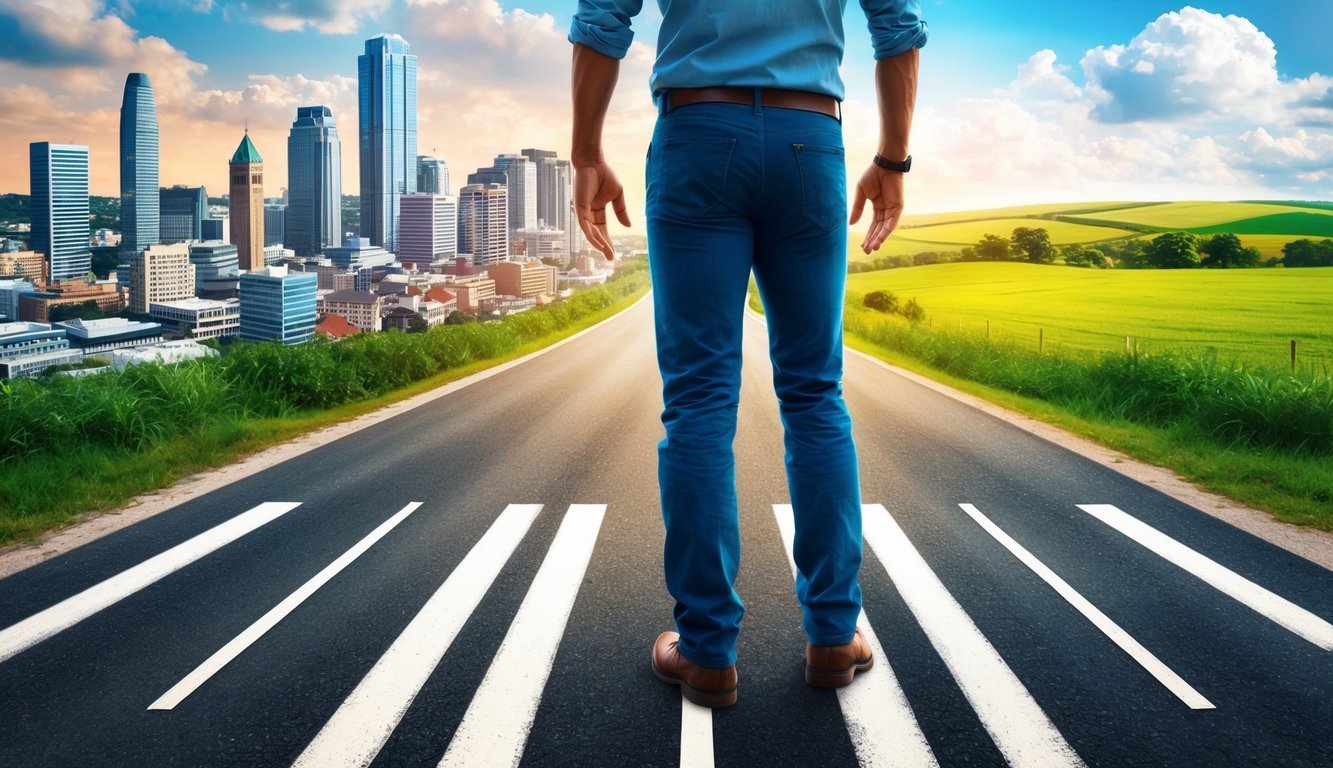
x=139 y=158
x=1056 y=103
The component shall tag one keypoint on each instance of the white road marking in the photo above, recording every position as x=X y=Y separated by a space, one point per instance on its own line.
x=1278 y=609
x=1173 y=682
x=883 y=729
x=72 y=610
x=696 y=735
x=1014 y=720
x=246 y=638
x=357 y=731
x=495 y=727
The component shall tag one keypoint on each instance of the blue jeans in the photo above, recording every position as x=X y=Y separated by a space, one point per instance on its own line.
x=734 y=188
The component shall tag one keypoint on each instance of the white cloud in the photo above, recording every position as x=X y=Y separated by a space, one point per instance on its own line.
x=333 y=17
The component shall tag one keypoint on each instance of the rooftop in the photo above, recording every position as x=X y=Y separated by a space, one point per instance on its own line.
x=246 y=152
x=351 y=297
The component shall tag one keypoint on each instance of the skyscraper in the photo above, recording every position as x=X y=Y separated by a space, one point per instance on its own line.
x=183 y=210
x=314 y=182
x=275 y=223
x=522 y=176
x=432 y=175
x=387 y=92
x=247 y=204
x=58 y=174
x=554 y=189
x=139 y=225
x=277 y=304
x=483 y=223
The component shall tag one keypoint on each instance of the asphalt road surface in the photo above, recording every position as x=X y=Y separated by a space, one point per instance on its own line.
x=478 y=582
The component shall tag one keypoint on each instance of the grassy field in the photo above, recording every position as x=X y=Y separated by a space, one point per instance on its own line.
x=1264 y=225
x=969 y=232
x=1245 y=315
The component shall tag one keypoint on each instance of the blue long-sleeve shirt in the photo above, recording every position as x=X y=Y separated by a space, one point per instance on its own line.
x=793 y=44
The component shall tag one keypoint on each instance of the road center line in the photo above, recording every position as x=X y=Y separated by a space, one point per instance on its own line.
x=696 y=735
x=72 y=610
x=365 y=720
x=1014 y=720
x=1278 y=609
x=495 y=727
x=883 y=729
x=246 y=638
x=1173 y=682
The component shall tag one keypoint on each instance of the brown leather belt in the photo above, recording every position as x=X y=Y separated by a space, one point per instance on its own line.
x=768 y=97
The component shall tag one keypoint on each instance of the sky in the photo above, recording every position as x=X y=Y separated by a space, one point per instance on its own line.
x=1018 y=103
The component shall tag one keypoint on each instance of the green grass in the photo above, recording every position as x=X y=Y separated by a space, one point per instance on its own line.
x=1188 y=215
x=117 y=436
x=1305 y=224
x=1245 y=315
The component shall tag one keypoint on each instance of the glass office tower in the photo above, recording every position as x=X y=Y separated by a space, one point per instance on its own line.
x=139 y=203
x=387 y=95
x=58 y=174
x=432 y=175
x=314 y=182
x=183 y=210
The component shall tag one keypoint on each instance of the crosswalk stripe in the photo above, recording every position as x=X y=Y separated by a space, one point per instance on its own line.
x=883 y=729
x=1173 y=682
x=72 y=610
x=1020 y=729
x=1276 y=608
x=696 y=735
x=365 y=720
x=495 y=727
x=250 y=634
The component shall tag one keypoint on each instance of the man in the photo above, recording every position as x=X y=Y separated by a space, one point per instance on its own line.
x=745 y=172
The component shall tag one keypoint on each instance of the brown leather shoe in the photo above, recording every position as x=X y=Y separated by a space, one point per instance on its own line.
x=834 y=666
x=705 y=686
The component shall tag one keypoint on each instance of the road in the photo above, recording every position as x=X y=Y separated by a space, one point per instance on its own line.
x=478 y=581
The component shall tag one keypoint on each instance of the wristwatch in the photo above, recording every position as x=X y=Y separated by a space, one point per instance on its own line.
x=890 y=165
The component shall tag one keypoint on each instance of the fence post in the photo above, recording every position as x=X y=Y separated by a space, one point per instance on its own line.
x=1126 y=345
x=1041 y=340
x=1293 y=354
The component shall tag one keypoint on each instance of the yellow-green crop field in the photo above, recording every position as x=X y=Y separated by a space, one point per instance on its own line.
x=1266 y=226
x=1246 y=315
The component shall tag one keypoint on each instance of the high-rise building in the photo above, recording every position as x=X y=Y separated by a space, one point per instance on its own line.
x=139 y=226
x=182 y=213
x=432 y=175
x=314 y=182
x=483 y=223
x=358 y=253
x=491 y=175
x=58 y=174
x=522 y=175
x=387 y=92
x=27 y=265
x=554 y=190
x=215 y=229
x=214 y=261
x=160 y=273
x=277 y=304
x=428 y=230
x=275 y=223
x=247 y=204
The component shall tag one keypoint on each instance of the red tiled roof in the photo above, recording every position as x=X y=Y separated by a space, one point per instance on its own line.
x=440 y=295
x=412 y=290
x=335 y=327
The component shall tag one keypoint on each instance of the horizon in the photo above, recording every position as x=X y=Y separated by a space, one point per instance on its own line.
x=1053 y=105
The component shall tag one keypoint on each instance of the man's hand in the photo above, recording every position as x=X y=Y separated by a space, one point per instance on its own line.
x=884 y=189
x=596 y=185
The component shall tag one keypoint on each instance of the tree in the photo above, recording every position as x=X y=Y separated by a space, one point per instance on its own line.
x=992 y=248
x=913 y=311
x=1173 y=250
x=459 y=317
x=1083 y=256
x=1308 y=253
x=881 y=301
x=1225 y=251
x=1034 y=243
x=87 y=310
x=417 y=324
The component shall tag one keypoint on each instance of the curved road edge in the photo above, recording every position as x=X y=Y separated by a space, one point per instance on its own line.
x=1309 y=543
x=18 y=557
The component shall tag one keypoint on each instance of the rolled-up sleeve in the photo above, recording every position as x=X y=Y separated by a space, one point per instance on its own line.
x=895 y=26
x=604 y=25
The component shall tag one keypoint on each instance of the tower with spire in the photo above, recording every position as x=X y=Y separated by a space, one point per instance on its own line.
x=247 y=204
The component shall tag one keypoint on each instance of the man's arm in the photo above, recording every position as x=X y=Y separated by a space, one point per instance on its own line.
x=895 y=84
x=595 y=184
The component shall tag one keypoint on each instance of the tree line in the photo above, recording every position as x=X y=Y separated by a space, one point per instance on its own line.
x=1169 y=250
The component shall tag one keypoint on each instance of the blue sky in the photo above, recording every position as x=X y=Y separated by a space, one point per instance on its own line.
x=1019 y=102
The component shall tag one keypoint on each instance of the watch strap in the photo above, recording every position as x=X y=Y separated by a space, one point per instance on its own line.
x=890 y=165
